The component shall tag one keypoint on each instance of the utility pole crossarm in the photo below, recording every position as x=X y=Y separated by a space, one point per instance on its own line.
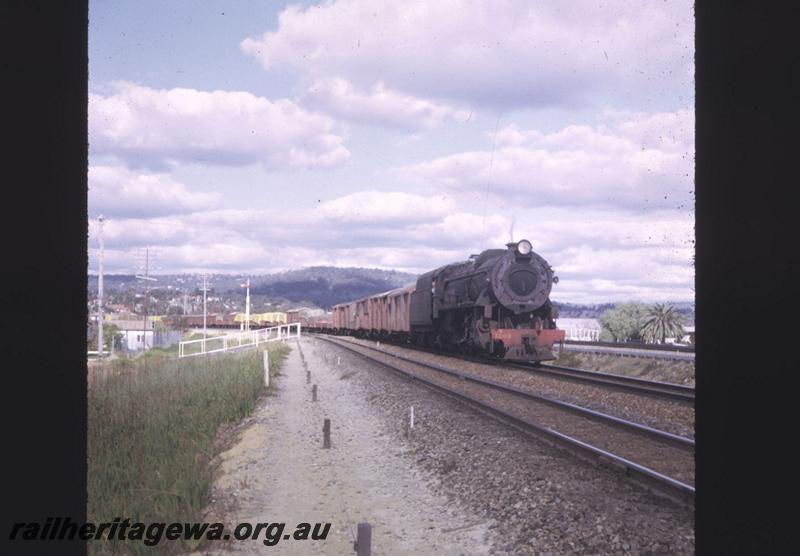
x=146 y=279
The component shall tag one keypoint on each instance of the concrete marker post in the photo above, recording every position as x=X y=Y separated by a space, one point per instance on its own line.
x=363 y=544
x=308 y=377
x=314 y=393
x=326 y=434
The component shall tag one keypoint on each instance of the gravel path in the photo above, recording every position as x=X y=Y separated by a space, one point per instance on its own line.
x=536 y=498
x=277 y=471
x=669 y=416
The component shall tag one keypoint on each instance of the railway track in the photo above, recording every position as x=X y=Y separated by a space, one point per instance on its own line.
x=662 y=461
x=643 y=387
x=638 y=353
x=652 y=388
x=631 y=345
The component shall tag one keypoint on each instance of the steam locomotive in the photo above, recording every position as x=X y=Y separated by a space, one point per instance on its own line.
x=496 y=303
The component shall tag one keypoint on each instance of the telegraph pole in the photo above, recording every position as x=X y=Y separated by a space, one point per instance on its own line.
x=100 y=294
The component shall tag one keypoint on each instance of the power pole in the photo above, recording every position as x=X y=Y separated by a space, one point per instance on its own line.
x=146 y=279
x=205 y=289
x=247 y=306
x=100 y=294
x=146 y=295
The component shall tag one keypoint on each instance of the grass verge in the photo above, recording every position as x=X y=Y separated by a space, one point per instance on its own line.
x=151 y=428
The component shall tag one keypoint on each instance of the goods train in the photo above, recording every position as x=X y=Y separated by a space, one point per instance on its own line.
x=231 y=320
x=496 y=303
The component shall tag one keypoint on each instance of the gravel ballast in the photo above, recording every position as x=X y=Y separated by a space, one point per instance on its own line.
x=537 y=498
x=666 y=415
x=656 y=455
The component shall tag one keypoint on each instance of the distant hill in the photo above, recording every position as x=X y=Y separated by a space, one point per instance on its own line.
x=577 y=311
x=593 y=311
x=321 y=286
x=325 y=286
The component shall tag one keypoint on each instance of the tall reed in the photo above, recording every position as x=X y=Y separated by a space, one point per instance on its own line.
x=151 y=428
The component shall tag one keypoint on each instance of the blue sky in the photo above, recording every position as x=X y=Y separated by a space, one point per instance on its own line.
x=251 y=137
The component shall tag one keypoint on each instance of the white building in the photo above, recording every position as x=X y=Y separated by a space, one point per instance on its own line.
x=132 y=333
x=586 y=330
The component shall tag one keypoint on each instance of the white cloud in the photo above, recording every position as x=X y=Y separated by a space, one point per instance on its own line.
x=598 y=254
x=118 y=192
x=154 y=127
x=384 y=208
x=380 y=106
x=505 y=53
x=641 y=161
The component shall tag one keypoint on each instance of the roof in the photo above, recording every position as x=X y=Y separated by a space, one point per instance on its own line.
x=132 y=324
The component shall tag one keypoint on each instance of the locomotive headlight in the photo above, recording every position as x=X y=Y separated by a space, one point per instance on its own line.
x=524 y=247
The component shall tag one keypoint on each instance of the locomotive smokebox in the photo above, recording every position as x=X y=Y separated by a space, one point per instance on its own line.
x=521 y=279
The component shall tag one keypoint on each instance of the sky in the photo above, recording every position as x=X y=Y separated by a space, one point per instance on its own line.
x=250 y=137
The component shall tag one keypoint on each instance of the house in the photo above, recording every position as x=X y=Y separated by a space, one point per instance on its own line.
x=132 y=332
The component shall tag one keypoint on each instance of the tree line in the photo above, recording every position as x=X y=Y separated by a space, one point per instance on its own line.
x=638 y=322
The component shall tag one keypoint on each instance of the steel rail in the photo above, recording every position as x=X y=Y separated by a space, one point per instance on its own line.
x=655 y=388
x=629 y=426
x=643 y=475
x=652 y=388
x=631 y=352
x=628 y=345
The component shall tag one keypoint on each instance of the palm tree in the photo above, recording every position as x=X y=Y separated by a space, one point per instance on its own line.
x=662 y=321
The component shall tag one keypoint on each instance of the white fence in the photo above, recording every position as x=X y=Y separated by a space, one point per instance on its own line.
x=250 y=338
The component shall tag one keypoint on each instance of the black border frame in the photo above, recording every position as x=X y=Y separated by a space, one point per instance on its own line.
x=748 y=265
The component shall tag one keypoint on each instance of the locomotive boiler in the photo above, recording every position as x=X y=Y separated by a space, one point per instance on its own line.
x=496 y=303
